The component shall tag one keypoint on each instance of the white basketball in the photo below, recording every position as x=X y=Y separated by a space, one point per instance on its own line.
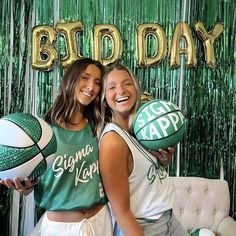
x=202 y=232
x=27 y=146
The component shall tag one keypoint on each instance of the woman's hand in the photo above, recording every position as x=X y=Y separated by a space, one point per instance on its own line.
x=164 y=156
x=24 y=187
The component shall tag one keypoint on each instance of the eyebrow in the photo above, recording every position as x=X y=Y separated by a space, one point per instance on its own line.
x=85 y=73
x=109 y=83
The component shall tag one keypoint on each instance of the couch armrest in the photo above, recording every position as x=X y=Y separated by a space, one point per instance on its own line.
x=227 y=227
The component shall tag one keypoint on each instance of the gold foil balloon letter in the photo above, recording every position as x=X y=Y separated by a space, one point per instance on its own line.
x=43 y=52
x=155 y=30
x=208 y=39
x=99 y=34
x=70 y=30
x=182 y=31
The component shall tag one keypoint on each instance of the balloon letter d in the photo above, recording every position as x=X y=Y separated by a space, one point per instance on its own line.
x=110 y=31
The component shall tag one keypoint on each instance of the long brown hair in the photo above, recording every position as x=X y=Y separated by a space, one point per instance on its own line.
x=66 y=103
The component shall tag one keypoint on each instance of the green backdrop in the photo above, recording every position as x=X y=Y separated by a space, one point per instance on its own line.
x=205 y=95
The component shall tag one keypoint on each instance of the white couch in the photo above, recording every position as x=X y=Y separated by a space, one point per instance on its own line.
x=204 y=203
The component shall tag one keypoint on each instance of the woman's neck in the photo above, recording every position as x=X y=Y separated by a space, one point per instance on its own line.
x=123 y=123
x=78 y=122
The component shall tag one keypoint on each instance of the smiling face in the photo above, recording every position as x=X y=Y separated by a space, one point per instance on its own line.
x=120 y=93
x=88 y=85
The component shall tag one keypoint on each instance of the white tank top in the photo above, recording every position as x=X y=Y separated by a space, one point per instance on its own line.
x=151 y=190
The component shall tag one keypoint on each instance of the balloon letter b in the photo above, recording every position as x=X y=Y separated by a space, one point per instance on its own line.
x=43 y=53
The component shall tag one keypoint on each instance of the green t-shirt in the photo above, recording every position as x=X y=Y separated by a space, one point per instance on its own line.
x=73 y=180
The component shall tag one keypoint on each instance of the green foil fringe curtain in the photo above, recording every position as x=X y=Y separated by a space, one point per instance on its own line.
x=206 y=96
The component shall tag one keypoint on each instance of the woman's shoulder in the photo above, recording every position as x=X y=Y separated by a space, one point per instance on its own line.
x=113 y=144
x=111 y=127
x=111 y=136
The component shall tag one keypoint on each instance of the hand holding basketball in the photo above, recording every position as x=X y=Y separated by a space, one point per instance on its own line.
x=164 y=156
x=24 y=187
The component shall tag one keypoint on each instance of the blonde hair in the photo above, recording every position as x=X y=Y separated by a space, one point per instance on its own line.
x=106 y=112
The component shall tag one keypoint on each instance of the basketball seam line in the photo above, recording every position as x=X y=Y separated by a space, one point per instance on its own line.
x=40 y=151
x=157 y=118
x=8 y=119
x=149 y=140
x=142 y=107
x=146 y=104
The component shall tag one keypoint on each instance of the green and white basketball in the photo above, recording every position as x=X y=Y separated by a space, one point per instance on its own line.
x=202 y=232
x=159 y=124
x=27 y=146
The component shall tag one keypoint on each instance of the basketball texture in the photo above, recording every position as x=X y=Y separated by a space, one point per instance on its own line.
x=159 y=124
x=202 y=232
x=27 y=146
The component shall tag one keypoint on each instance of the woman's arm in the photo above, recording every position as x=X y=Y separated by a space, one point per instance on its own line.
x=114 y=168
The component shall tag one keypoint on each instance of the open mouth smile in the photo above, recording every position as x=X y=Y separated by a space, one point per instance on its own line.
x=123 y=99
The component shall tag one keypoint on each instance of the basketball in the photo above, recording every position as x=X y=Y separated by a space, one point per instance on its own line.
x=159 y=124
x=27 y=146
x=202 y=232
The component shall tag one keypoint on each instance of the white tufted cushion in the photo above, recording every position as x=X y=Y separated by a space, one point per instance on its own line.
x=201 y=202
